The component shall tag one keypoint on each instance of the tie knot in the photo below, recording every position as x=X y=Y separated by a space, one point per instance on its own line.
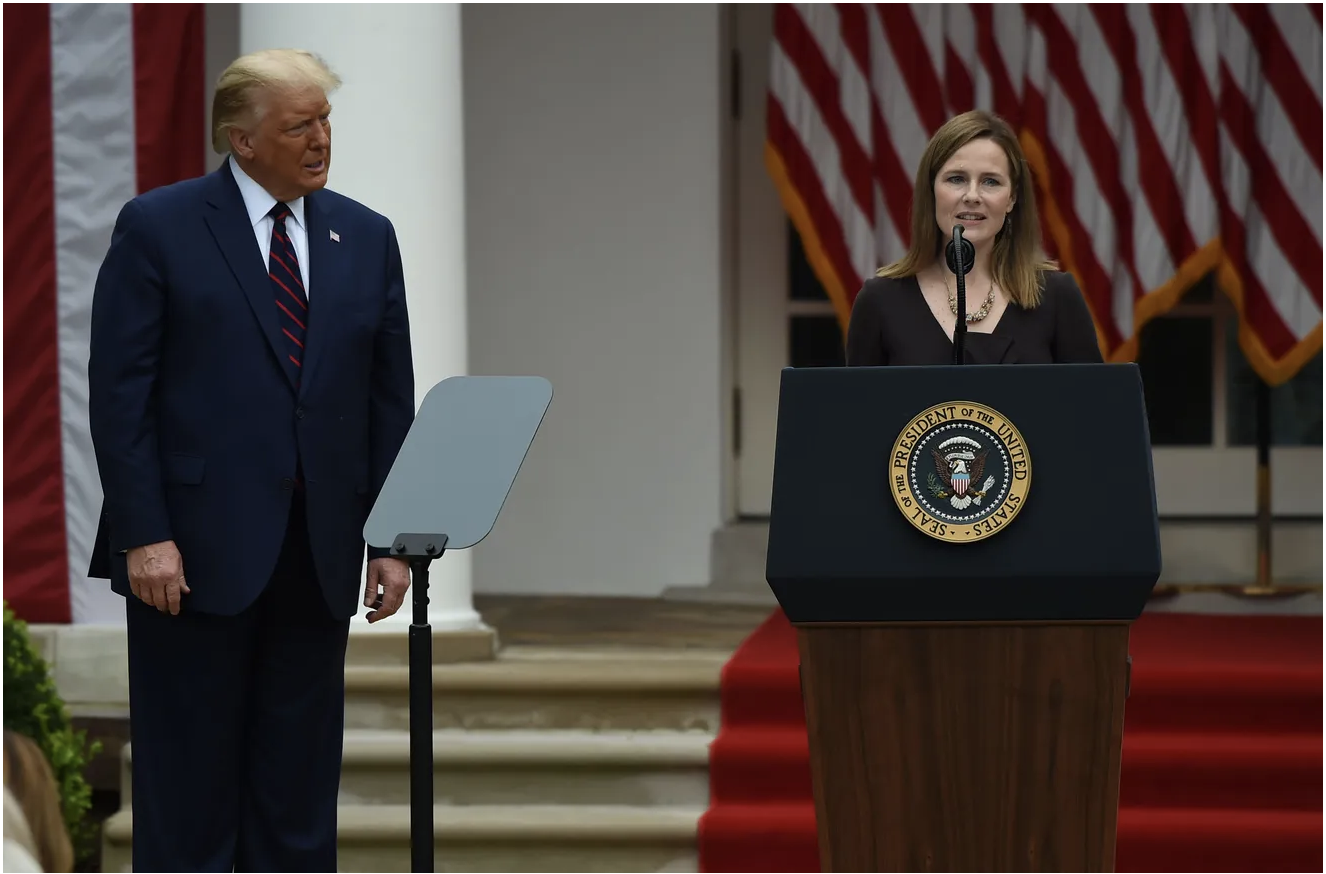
x=280 y=212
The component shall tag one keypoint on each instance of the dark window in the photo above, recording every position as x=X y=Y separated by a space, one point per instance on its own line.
x=1175 y=357
x=802 y=283
x=815 y=341
x=1295 y=404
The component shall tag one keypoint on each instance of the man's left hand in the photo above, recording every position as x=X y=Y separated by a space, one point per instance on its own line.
x=391 y=577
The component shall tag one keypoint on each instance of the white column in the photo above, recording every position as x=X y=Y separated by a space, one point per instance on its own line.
x=397 y=147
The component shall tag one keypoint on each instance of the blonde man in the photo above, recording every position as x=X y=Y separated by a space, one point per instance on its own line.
x=251 y=383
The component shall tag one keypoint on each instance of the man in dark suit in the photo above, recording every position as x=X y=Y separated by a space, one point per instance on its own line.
x=250 y=386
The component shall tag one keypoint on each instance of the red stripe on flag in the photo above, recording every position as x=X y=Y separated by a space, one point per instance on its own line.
x=894 y=182
x=1292 y=233
x=958 y=87
x=1258 y=311
x=169 y=93
x=801 y=172
x=854 y=30
x=1098 y=147
x=1201 y=117
x=821 y=83
x=886 y=170
x=36 y=554
x=918 y=72
x=1301 y=106
x=1153 y=169
x=1002 y=91
x=1089 y=272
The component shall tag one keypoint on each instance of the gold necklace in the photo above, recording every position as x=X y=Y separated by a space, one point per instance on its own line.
x=976 y=315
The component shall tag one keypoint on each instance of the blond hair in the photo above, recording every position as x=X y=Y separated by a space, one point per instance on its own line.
x=1017 y=261
x=238 y=99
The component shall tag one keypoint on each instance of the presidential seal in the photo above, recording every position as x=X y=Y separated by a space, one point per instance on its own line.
x=959 y=472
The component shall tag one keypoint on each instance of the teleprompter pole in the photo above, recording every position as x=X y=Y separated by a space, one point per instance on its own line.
x=420 y=550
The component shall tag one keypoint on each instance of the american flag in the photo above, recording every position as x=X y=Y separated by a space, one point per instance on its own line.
x=102 y=101
x=1167 y=142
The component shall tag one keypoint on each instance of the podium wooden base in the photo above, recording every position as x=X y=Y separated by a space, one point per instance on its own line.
x=965 y=747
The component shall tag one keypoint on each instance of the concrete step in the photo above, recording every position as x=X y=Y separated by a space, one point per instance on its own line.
x=523 y=767
x=374 y=645
x=534 y=767
x=501 y=838
x=535 y=688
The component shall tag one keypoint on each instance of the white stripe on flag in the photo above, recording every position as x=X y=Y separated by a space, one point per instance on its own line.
x=92 y=107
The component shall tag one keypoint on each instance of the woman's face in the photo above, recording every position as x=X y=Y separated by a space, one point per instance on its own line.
x=973 y=189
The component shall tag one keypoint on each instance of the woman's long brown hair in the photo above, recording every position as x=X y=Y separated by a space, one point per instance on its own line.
x=32 y=782
x=1017 y=261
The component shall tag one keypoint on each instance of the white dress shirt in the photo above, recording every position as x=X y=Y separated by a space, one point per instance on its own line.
x=258 y=202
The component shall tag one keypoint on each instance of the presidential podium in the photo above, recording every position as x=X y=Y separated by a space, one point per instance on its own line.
x=962 y=550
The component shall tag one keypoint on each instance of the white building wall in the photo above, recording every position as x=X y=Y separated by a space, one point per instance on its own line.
x=595 y=258
x=595 y=251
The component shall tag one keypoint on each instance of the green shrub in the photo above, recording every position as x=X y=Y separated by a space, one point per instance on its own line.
x=33 y=707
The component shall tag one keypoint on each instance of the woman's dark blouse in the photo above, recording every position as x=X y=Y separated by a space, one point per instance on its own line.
x=892 y=324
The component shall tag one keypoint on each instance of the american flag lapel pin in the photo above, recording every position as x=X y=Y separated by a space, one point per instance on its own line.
x=336 y=238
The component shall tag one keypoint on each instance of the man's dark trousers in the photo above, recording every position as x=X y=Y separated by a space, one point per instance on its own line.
x=262 y=749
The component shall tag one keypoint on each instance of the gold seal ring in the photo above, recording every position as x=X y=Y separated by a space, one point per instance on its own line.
x=960 y=471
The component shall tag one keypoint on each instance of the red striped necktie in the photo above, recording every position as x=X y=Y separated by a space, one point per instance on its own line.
x=291 y=300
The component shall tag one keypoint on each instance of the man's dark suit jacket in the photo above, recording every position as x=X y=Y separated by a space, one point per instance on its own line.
x=197 y=427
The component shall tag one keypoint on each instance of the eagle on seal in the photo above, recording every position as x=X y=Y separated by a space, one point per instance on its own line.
x=961 y=466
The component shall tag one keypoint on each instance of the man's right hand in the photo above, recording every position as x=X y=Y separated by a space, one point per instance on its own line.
x=156 y=575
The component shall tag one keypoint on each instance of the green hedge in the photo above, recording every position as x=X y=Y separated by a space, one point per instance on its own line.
x=33 y=707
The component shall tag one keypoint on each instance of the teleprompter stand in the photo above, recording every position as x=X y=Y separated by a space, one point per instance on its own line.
x=420 y=550
x=449 y=481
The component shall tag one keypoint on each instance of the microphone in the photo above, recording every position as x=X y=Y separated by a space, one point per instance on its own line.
x=960 y=255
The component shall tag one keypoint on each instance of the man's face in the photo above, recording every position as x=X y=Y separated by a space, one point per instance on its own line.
x=288 y=152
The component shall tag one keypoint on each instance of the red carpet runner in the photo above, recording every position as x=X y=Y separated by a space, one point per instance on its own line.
x=1222 y=753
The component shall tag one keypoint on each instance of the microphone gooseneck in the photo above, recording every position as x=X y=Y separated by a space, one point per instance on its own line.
x=960 y=255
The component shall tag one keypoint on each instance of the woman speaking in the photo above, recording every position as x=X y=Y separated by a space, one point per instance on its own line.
x=1020 y=308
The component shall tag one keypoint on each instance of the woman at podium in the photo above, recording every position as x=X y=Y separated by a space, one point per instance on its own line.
x=1020 y=308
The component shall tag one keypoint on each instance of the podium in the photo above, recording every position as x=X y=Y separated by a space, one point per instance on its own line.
x=962 y=550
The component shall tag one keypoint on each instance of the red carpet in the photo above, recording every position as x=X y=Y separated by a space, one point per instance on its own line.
x=1222 y=752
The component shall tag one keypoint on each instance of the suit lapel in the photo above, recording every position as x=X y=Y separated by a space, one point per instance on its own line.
x=327 y=269
x=229 y=223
